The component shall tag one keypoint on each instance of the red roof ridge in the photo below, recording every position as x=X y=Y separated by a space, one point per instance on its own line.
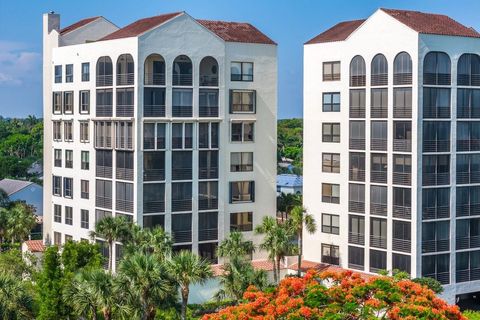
x=339 y=32
x=78 y=24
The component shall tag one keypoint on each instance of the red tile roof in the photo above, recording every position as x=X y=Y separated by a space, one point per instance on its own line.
x=257 y=264
x=338 y=32
x=228 y=31
x=429 y=23
x=35 y=245
x=77 y=25
x=317 y=266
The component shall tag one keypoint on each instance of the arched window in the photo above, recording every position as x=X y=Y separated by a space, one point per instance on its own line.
x=379 y=67
x=182 y=71
x=402 y=69
x=357 y=72
x=104 y=72
x=468 y=70
x=154 y=70
x=125 y=70
x=436 y=69
x=209 y=72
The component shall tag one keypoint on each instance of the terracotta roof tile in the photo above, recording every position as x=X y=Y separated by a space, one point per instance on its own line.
x=429 y=23
x=317 y=266
x=236 y=32
x=35 y=245
x=338 y=32
x=257 y=264
x=78 y=24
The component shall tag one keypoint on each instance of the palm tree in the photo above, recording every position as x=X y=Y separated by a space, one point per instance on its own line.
x=20 y=221
x=149 y=241
x=297 y=220
x=111 y=230
x=277 y=242
x=15 y=300
x=187 y=268
x=235 y=247
x=82 y=296
x=286 y=202
x=145 y=284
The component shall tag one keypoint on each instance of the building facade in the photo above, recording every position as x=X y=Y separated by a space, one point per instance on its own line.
x=391 y=152
x=169 y=121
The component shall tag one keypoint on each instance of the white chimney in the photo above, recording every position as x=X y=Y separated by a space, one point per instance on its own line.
x=51 y=21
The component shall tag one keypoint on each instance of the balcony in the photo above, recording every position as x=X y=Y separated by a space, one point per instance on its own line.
x=378 y=242
x=154 y=206
x=104 y=110
x=378 y=176
x=402 y=178
x=124 y=110
x=402 y=212
x=331 y=260
x=378 y=209
x=468 y=242
x=182 y=205
x=103 y=202
x=125 y=79
x=182 y=79
x=103 y=172
x=207 y=234
x=468 y=145
x=208 y=112
x=124 y=205
x=104 y=80
x=124 y=143
x=103 y=142
x=357 y=112
x=378 y=112
x=468 y=275
x=356 y=238
x=436 y=112
x=182 y=111
x=153 y=174
x=468 y=80
x=441 y=212
x=468 y=177
x=124 y=174
x=356 y=206
x=182 y=173
x=402 y=145
x=465 y=210
x=357 y=144
x=435 y=245
x=182 y=236
x=436 y=179
x=379 y=79
x=436 y=145
x=440 y=79
x=154 y=110
x=401 y=79
x=154 y=79
x=205 y=203
x=208 y=81
x=358 y=81
x=356 y=175
x=378 y=144
x=401 y=245
x=208 y=173
x=402 y=112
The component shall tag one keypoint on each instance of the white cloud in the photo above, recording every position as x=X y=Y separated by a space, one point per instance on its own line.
x=18 y=64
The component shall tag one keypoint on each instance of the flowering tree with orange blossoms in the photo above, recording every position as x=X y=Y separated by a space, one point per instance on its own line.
x=340 y=295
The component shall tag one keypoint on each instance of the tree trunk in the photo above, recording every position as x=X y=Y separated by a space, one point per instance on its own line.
x=94 y=313
x=185 y=292
x=300 y=252
x=278 y=269
x=107 y=314
x=110 y=256
x=275 y=277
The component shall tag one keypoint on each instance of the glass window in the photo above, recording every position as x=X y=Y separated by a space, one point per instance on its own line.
x=331 y=71
x=85 y=71
x=58 y=74
x=402 y=69
x=68 y=158
x=356 y=229
x=242 y=131
x=181 y=196
x=379 y=69
x=241 y=161
x=357 y=72
x=241 y=71
x=330 y=223
x=68 y=215
x=330 y=193
x=85 y=160
x=242 y=101
x=84 y=189
x=378 y=260
x=57 y=186
x=57 y=213
x=68 y=102
x=331 y=132
x=331 y=102
x=436 y=69
x=69 y=73
x=331 y=162
x=68 y=187
x=57 y=155
x=84 y=219
x=241 y=221
x=242 y=191
x=57 y=103
x=356 y=258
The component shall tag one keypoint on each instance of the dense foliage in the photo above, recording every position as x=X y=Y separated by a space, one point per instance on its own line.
x=345 y=295
x=290 y=141
x=21 y=145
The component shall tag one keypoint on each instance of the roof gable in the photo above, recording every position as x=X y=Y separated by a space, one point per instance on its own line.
x=339 y=32
x=11 y=186
x=77 y=25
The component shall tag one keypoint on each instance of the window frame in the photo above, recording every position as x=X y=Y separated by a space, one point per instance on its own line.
x=328 y=223
x=331 y=76
x=58 y=73
x=70 y=110
x=84 y=107
x=241 y=197
x=251 y=110
x=69 y=215
x=84 y=189
x=244 y=77
x=331 y=197
x=333 y=106
x=332 y=162
x=331 y=134
x=243 y=135
x=69 y=73
x=85 y=75
x=245 y=227
x=84 y=219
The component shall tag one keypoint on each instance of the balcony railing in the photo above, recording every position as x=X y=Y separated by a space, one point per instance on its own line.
x=356 y=238
x=154 y=110
x=402 y=212
x=103 y=202
x=182 y=111
x=436 y=112
x=357 y=112
x=124 y=143
x=182 y=236
x=207 y=234
x=402 y=145
x=124 y=205
x=437 y=78
x=207 y=203
x=208 y=173
x=378 y=176
x=148 y=143
x=182 y=79
x=358 y=81
x=465 y=210
x=206 y=111
x=154 y=206
x=402 y=112
x=435 y=245
x=208 y=81
x=468 y=275
x=442 y=277
x=125 y=79
x=357 y=175
x=436 y=145
x=468 y=177
x=103 y=172
x=182 y=205
x=378 y=112
x=104 y=80
x=379 y=79
x=104 y=110
x=355 y=266
x=124 y=174
x=468 y=80
x=468 y=112
x=468 y=145
x=331 y=260
x=378 y=144
x=401 y=245
x=356 y=206
x=467 y=242
x=402 y=178
x=378 y=242
x=440 y=212
x=103 y=142
x=182 y=173
x=435 y=179
x=153 y=174
x=154 y=79
x=124 y=110
x=378 y=209
x=401 y=79
x=357 y=144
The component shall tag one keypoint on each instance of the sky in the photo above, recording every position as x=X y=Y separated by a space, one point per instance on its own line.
x=288 y=22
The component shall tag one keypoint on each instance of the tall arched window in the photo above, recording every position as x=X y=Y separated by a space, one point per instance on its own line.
x=468 y=70
x=379 y=67
x=436 y=69
x=182 y=71
x=125 y=70
x=402 y=69
x=154 y=70
x=208 y=72
x=357 y=72
x=104 y=72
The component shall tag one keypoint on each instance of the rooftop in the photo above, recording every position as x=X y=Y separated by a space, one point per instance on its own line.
x=421 y=22
x=289 y=180
x=77 y=25
x=35 y=245
x=11 y=186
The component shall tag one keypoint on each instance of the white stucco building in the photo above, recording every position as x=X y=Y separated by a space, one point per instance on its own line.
x=169 y=121
x=391 y=149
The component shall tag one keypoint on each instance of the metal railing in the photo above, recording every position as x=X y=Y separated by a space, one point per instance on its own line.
x=103 y=172
x=442 y=277
x=148 y=143
x=207 y=234
x=104 y=110
x=124 y=143
x=153 y=174
x=436 y=112
x=103 y=202
x=401 y=79
x=205 y=203
x=468 y=177
x=468 y=145
x=182 y=173
x=124 y=205
x=355 y=266
x=124 y=110
x=468 y=112
x=402 y=178
x=331 y=260
x=356 y=238
x=378 y=144
x=104 y=80
x=358 y=81
x=124 y=174
x=468 y=80
x=440 y=212
x=208 y=81
x=378 y=209
x=402 y=212
x=242 y=107
x=378 y=242
x=465 y=210
x=435 y=179
x=436 y=145
x=401 y=245
x=182 y=236
x=241 y=167
x=380 y=79
x=205 y=111
x=357 y=144
x=182 y=111
x=103 y=142
x=379 y=112
x=437 y=78
x=402 y=145
x=182 y=79
x=208 y=173
x=182 y=205
x=357 y=112
x=356 y=175
x=154 y=79
x=402 y=112
x=467 y=242
x=378 y=176
x=125 y=79
x=468 y=275
x=435 y=245
x=154 y=206
x=356 y=206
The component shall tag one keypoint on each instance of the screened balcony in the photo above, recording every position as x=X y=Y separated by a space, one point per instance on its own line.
x=125 y=70
x=154 y=70
x=209 y=72
x=182 y=71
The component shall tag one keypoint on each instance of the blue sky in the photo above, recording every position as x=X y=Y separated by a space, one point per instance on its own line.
x=289 y=22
